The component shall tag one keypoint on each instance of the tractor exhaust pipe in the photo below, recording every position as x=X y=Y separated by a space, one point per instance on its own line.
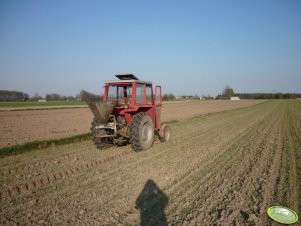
x=100 y=110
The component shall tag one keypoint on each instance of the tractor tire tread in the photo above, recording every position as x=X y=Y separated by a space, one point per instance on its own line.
x=98 y=142
x=134 y=132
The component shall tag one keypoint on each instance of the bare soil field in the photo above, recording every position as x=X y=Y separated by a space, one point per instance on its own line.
x=18 y=127
x=225 y=168
x=28 y=108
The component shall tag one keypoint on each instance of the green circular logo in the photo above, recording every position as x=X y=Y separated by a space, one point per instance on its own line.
x=282 y=214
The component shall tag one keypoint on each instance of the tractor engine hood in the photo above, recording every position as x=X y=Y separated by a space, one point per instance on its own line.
x=100 y=110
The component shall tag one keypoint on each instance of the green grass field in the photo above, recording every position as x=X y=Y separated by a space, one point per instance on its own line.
x=47 y=103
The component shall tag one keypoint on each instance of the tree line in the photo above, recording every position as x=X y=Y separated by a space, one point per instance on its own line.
x=171 y=97
x=227 y=93
x=13 y=96
x=10 y=96
x=268 y=95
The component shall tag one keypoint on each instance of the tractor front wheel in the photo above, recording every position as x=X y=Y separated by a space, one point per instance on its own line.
x=141 y=132
x=164 y=133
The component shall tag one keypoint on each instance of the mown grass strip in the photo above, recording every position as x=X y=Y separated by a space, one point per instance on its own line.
x=34 y=145
x=170 y=122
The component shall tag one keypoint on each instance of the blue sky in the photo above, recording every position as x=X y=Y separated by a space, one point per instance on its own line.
x=189 y=47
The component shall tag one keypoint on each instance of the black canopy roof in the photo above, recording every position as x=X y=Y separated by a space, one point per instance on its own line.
x=127 y=77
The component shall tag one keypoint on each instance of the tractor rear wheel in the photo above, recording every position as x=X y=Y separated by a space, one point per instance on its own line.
x=96 y=136
x=141 y=132
x=164 y=133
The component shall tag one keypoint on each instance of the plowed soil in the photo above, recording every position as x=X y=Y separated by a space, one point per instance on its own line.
x=225 y=168
x=18 y=127
x=28 y=108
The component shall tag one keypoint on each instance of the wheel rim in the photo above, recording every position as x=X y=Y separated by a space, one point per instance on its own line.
x=145 y=132
x=167 y=134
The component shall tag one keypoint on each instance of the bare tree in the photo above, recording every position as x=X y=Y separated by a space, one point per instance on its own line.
x=36 y=97
x=9 y=96
x=167 y=97
x=228 y=92
x=53 y=96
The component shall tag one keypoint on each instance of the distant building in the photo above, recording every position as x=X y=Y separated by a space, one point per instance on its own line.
x=42 y=100
x=234 y=98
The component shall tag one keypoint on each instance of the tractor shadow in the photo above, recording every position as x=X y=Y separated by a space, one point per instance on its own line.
x=151 y=202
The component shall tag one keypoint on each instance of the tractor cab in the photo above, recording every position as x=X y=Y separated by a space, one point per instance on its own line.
x=127 y=87
x=132 y=95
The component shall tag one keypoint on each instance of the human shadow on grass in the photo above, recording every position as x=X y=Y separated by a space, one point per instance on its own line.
x=151 y=202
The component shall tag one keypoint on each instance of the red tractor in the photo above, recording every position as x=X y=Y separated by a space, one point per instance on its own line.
x=130 y=111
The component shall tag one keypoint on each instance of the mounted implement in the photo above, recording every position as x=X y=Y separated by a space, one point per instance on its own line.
x=129 y=111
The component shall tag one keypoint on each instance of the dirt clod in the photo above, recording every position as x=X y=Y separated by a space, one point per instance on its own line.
x=81 y=212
